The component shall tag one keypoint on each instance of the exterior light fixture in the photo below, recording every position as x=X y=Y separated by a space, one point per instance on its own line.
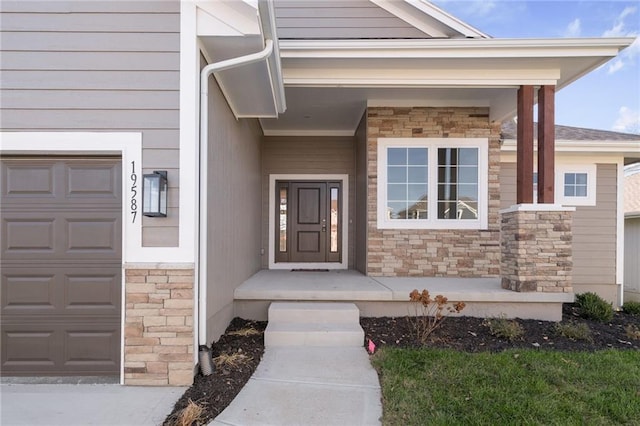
x=154 y=194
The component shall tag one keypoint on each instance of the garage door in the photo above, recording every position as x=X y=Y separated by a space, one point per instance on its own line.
x=61 y=266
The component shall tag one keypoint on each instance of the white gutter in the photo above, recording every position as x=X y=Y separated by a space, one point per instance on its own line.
x=203 y=173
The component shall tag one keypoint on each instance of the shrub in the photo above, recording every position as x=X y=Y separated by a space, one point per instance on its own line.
x=573 y=331
x=430 y=313
x=632 y=308
x=592 y=306
x=504 y=328
x=633 y=332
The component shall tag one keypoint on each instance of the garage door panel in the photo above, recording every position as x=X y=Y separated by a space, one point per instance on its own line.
x=61 y=290
x=62 y=235
x=29 y=347
x=28 y=292
x=93 y=236
x=93 y=181
x=23 y=235
x=27 y=181
x=92 y=348
x=59 y=348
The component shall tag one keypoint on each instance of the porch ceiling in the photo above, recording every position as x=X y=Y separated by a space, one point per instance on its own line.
x=329 y=83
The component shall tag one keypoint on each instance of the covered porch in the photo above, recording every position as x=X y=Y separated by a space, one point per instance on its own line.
x=389 y=296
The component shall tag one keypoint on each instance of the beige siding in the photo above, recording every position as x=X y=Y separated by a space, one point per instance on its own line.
x=98 y=66
x=233 y=209
x=361 y=196
x=307 y=155
x=594 y=231
x=631 y=256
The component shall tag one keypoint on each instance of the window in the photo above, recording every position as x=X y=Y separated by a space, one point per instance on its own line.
x=576 y=185
x=432 y=183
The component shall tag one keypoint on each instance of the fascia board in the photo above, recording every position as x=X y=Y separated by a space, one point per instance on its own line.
x=217 y=18
x=455 y=48
x=602 y=146
x=402 y=10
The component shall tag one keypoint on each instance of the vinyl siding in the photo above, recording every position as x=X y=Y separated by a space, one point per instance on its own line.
x=339 y=19
x=631 y=264
x=307 y=155
x=234 y=202
x=594 y=231
x=98 y=66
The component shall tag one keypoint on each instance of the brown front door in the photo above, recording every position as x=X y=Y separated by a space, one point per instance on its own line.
x=308 y=224
x=60 y=266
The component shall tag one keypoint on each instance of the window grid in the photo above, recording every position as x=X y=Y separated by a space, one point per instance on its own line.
x=575 y=185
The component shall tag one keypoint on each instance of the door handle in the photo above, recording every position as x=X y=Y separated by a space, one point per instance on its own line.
x=324 y=225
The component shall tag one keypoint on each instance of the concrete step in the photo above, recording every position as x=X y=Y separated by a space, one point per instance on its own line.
x=299 y=312
x=313 y=324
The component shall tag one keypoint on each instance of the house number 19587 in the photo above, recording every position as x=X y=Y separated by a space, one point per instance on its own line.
x=133 y=205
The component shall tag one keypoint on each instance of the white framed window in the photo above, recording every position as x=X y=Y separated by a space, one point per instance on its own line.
x=576 y=185
x=432 y=183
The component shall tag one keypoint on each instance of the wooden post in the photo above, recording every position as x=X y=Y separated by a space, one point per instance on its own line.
x=524 y=158
x=546 y=144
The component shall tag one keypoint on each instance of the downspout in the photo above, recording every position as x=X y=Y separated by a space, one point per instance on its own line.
x=203 y=172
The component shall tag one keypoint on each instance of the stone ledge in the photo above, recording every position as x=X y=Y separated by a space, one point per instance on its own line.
x=154 y=265
x=537 y=208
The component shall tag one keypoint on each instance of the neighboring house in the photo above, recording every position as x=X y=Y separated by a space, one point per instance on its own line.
x=589 y=176
x=361 y=135
x=632 y=233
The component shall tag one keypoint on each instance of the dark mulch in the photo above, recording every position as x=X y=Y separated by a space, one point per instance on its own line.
x=216 y=391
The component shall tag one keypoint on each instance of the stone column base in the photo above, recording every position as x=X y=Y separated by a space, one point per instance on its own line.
x=158 y=333
x=536 y=244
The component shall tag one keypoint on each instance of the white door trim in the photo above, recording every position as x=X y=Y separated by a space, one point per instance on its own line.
x=344 y=264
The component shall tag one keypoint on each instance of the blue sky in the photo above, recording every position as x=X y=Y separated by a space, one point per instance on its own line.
x=608 y=98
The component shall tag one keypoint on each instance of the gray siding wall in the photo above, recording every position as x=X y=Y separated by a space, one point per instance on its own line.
x=97 y=66
x=307 y=155
x=234 y=203
x=631 y=256
x=594 y=231
x=361 y=196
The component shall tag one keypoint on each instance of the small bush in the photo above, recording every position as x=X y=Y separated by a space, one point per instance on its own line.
x=631 y=308
x=505 y=328
x=633 y=332
x=430 y=313
x=592 y=306
x=189 y=415
x=574 y=331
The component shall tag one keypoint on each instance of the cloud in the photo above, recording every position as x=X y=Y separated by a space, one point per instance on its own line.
x=619 y=29
x=615 y=66
x=573 y=29
x=628 y=121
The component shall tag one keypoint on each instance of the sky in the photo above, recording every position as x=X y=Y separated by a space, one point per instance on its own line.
x=608 y=98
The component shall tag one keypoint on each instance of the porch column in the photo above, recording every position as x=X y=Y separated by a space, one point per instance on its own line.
x=546 y=144
x=524 y=160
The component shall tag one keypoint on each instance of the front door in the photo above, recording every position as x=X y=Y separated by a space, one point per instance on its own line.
x=308 y=224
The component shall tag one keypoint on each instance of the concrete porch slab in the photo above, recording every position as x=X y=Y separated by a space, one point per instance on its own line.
x=389 y=296
x=342 y=285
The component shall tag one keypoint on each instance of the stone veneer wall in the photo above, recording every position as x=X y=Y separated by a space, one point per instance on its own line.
x=158 y=334
x=423 y=252
x=536 y=250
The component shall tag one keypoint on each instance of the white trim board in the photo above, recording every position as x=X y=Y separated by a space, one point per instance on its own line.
x=129 y=146
x=344 y=264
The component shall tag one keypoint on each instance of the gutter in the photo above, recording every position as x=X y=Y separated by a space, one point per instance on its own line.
x=203 y=172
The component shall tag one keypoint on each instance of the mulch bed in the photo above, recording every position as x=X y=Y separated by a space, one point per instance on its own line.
x=216 y=391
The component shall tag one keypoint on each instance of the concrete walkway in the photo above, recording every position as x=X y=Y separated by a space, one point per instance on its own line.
x=308 y=386
x=100 y=404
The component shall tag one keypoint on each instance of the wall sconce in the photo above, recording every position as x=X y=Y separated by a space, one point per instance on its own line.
x=154 y=194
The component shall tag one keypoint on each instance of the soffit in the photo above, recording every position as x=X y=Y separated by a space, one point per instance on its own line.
x=323 y=78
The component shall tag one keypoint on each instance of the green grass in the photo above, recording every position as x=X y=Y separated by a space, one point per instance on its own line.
x=527 y=387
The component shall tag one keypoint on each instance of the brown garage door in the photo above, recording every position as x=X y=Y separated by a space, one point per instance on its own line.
x=61 y=266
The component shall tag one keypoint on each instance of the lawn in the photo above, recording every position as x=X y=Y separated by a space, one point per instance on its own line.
x=519 y=387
